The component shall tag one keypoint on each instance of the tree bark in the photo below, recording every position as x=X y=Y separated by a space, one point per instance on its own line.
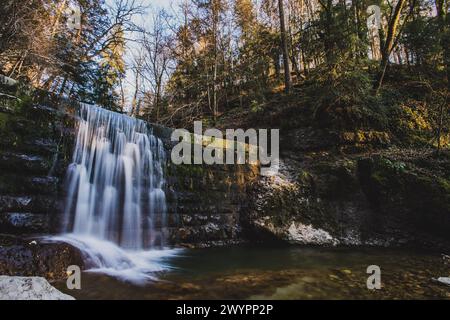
x=389 y=44
x=441 y=9
x=284 y=48
x=134 y=111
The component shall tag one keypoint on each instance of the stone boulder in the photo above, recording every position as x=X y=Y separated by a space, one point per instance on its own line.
x=29 y=288
x=37 y=258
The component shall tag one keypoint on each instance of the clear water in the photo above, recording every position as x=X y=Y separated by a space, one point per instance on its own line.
x=278 y=273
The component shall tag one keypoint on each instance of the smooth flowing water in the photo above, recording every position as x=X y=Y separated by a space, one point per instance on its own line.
x=116 y=206
x=247 y=272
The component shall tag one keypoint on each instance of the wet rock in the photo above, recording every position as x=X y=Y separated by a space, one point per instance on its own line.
x=34 y=149
x=444 y=280
x=34 y=204
x=32 y=288
x=214 y=230
x=24 y=162
x=45 y=145
x=12 y=183
x=8 y=203
x=24 y=222
x=45 y=108
x=26 y=258
x=208 y=202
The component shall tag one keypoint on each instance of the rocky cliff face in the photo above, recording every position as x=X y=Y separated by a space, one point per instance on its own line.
x=34 y=153
x=208 y=202
x=33 y=156
x=388 y=197
x=204 y=202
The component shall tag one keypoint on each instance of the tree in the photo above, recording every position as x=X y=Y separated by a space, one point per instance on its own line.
x=389 y=44
x=442 y=8
x=156 y=56
x=111 y=72
x=38 y=46
x=284 y=48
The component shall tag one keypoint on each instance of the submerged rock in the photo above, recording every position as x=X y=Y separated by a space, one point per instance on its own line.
x=32 y=288
x=444 y=280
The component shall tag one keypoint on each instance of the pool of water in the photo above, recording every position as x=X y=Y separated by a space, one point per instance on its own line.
x=278 y=273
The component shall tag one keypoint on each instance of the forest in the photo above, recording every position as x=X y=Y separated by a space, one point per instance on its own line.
x=358 y=90
x=203 y=60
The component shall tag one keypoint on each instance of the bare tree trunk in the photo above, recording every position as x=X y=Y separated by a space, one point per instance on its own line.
x=63 y=86
x=305 y=64
x=328 y=42
x=441 y=9
x=215 y=17
x=276 y=64
x=135 y=95
x=59 y=12
x=284 y=48
x=440 y=125
x=388 y=46
x=122 y=94
x=138 y=107
x=157 y=98
x=296 y=66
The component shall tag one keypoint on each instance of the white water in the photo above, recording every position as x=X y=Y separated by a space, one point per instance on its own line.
x=115 y=211
x=105 y=257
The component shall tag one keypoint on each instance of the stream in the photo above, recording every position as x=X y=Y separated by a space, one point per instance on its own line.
x=249 y=272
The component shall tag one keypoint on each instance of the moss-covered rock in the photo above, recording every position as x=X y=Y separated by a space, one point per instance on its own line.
x=35 y=149
x=394 y=197
x=31 y=257
x=418 y=192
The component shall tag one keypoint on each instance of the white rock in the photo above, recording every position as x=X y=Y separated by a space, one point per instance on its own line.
x=444 y=280
x=7 y=81
x=29 y=288
x=307 y=234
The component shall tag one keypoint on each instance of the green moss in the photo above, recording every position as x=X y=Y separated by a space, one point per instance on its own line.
x=3 y=121
x=444 y=184
x=305 y=178
x=393 y=166
x=184 y=170
x=380 y=178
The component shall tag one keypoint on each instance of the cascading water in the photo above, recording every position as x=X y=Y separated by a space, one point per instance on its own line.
x=116 y=208
x=115 y=183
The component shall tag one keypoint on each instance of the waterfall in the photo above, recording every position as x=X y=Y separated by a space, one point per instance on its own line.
x=116 y=207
